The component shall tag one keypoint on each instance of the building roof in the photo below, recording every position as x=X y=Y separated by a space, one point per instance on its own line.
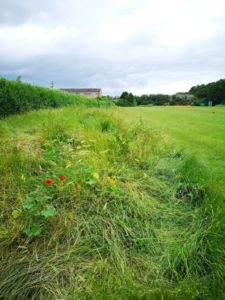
x=72 y=90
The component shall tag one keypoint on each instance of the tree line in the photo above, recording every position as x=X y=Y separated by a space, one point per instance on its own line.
x=213 y=93
x=128 y=99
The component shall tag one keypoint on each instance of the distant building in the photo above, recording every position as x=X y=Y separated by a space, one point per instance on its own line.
x=90 y=93
x=184 y=96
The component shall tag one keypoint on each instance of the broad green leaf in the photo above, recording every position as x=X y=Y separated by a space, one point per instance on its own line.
x=34 y=230
x=48 y=211
x=29 y=204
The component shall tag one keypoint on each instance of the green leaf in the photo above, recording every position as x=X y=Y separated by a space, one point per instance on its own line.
x=91 y=181
x=16 y=213
x=88 y=170
x=42 y=198
x=48 y=211
x=34 y=230
x=29 y=204
x=95 y=175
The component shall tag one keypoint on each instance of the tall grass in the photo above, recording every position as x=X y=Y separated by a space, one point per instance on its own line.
x=134 y=218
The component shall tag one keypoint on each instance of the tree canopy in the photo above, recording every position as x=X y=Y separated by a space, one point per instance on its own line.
x=214 y=91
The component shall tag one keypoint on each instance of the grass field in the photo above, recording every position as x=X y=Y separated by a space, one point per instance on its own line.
x=195 y=130
x=138 y=213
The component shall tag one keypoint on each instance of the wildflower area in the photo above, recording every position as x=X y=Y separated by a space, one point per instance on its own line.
x=91 y=208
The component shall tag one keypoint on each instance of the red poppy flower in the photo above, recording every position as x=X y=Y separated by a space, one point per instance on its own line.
x=62 y=178
x=48 y=181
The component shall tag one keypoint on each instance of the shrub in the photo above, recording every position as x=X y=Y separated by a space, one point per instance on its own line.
x=17 y=97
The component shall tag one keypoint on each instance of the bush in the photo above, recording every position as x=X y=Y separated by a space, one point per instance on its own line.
x=17 y=97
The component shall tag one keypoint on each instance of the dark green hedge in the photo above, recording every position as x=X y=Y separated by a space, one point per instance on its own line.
x=17 y=97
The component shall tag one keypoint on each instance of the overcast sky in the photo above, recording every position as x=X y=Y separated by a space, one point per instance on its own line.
x=143 y=46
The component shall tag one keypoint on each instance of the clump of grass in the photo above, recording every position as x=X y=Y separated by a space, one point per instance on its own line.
x=121 y=228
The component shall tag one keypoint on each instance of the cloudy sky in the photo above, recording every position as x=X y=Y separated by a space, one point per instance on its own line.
x=143 y=46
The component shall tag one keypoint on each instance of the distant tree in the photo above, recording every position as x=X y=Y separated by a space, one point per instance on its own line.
x=160 y=99
x=214 y=91
x=144 y=100
x=124 y=95
x=131 y=100
x=127 y=99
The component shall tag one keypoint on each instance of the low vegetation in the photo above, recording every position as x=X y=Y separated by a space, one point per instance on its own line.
x=17 y=97
x=94 y=208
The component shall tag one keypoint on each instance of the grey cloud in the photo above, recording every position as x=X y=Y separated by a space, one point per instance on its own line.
x=86 y=58
x=18 y=12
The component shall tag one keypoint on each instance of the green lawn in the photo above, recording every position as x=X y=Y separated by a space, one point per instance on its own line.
x=196 y=130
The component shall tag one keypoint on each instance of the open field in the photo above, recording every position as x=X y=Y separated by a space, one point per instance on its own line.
x=194 y=130
x=138 y=213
